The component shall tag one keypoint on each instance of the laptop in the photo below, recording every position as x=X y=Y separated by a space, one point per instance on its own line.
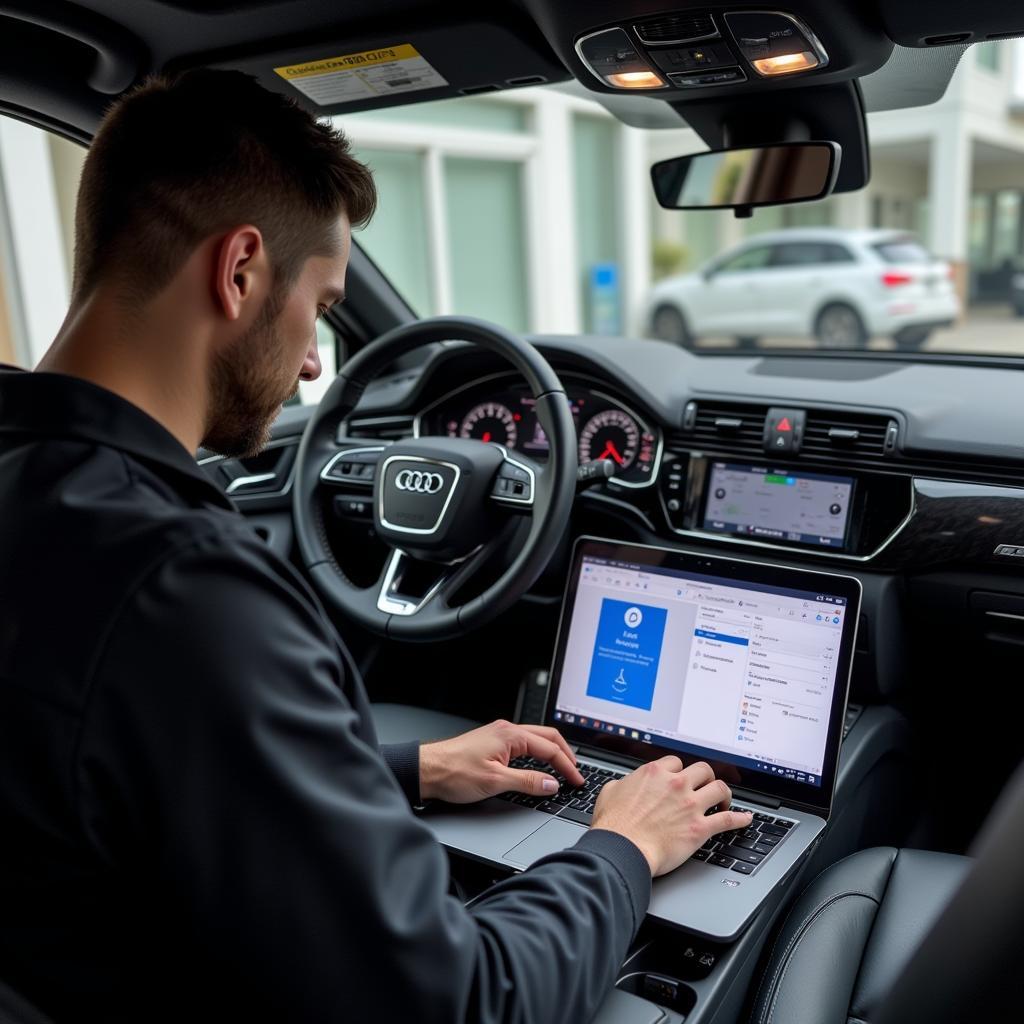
x=660 y=651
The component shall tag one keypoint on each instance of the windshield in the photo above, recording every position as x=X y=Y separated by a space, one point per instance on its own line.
x=534 y=208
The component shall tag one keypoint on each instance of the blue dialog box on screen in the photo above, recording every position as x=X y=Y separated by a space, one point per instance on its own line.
x=627 y=650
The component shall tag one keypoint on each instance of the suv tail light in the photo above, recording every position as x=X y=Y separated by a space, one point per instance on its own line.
x=895 y=278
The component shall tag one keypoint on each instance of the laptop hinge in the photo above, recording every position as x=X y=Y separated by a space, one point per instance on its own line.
x=755 y=798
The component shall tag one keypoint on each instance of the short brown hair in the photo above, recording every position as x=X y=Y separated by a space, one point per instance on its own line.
x=178 y=159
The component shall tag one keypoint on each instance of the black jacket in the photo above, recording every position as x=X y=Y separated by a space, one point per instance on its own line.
x=195 y=820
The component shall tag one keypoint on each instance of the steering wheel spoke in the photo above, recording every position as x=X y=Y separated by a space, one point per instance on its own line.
x=354 y=466
x=515 y=485
x=408 y=586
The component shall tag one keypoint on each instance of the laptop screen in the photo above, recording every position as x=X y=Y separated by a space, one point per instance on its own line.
x=740 y=664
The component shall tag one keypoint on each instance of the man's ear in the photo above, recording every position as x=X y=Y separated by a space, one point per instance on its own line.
x=241 y=272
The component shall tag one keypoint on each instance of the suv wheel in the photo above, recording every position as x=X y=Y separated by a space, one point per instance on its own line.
x=840 y=326
x=668 y=324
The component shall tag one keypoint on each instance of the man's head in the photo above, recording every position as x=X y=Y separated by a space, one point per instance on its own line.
x=211 y=166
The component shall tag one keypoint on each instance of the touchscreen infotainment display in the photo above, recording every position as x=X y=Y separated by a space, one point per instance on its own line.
x=778 y=504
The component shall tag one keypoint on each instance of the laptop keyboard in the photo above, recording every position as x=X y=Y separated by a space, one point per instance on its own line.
x=741 y=850
x=568 y=803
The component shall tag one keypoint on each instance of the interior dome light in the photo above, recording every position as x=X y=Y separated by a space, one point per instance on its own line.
x=635 y=80
x=786 y=63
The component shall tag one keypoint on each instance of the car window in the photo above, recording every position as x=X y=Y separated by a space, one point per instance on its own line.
x=902 y=250
x=797 y=254
x=750 y=259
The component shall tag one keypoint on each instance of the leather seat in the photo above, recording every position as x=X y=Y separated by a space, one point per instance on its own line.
x=900 y=936
x=851 y=933
x=399 y=723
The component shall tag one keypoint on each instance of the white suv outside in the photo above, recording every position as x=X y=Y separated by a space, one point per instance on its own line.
x=838 y=285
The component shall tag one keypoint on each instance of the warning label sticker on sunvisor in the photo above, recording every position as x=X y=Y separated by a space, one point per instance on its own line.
x=361 y=76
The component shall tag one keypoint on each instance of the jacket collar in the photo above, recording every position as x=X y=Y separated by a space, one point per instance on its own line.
x=42 y=404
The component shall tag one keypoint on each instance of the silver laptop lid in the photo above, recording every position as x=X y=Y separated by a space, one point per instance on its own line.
x=741 y=664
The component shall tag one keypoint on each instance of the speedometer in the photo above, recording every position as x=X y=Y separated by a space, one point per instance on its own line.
x=611 y=434
x=490 y=421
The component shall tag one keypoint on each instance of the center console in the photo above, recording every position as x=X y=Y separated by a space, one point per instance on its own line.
x=771 y=503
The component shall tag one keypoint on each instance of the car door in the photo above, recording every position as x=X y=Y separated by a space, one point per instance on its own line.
x=732 y=301
x=802 y=272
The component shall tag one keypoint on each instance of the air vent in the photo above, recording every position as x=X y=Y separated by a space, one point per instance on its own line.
x=841 y=433
x=382 y=428
x=676 y=28
x=728 y=426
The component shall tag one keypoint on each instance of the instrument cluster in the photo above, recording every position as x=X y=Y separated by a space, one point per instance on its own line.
x=502 y=411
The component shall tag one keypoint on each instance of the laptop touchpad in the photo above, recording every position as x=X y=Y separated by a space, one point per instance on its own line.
x=549 y=838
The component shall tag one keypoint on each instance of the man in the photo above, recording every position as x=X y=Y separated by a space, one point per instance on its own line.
x=196 y=820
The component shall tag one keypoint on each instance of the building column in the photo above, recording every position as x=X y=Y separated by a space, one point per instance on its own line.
x=551 y=220
x=634 y=227
x=853 y=209
x=34 y=255
x=949 y=198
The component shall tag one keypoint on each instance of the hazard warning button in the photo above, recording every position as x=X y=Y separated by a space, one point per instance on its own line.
x=784 y=430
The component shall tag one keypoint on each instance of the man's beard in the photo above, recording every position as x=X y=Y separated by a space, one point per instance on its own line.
x=247 y=388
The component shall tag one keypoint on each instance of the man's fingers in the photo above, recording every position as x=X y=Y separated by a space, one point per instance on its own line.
x=699 y=774
x=670 y=762
x=716 y=792
x=546 y=750
x=725 y=821
x=519 y=780
x=546 y=732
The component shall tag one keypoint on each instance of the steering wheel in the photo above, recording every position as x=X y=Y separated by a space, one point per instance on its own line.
x=442 y=505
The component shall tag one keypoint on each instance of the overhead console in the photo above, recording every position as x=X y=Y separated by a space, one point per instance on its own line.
x=668 y=49
x=739 y=77
x=698 y=50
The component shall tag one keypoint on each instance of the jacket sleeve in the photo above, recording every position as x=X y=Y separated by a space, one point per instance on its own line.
x=404 y=761
x=221 y=754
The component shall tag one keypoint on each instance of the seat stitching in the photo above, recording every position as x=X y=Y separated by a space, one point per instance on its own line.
x=789 y=913
x=798 y=935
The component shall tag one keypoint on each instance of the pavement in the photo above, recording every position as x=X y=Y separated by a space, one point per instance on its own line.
x=991 y=329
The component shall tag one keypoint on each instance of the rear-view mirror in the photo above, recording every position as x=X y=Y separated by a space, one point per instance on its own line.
x=740 y=179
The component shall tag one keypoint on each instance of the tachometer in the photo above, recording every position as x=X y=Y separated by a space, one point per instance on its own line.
x=611 y=434
x=490 y=421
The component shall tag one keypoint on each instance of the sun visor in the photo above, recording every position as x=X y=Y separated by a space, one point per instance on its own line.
x=365 y=72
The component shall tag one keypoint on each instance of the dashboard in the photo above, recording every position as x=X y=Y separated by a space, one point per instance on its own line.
x=885 y=464
x=501 y=410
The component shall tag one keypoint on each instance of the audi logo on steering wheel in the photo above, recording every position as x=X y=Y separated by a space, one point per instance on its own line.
x=419 y=482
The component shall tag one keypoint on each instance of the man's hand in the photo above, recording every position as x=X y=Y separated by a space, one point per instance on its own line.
x=474 y=766
x=660 y=807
